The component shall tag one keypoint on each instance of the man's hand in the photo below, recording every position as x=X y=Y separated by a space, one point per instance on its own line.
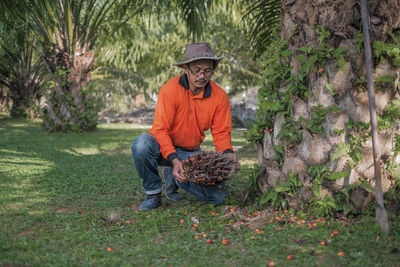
x=178 y=171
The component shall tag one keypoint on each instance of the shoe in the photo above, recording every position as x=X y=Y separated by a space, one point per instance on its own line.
x=151 y=202
x=171 y=187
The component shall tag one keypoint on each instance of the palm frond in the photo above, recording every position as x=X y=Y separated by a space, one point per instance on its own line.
x=261 y=18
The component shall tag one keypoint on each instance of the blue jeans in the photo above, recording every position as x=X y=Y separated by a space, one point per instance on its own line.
x=147 y=157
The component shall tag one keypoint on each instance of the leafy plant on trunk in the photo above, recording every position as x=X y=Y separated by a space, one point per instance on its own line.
x=277 y=197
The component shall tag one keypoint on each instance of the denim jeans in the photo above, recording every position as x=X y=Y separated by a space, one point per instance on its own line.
x=147 y=157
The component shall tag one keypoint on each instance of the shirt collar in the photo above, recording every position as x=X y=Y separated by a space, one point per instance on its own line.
x=183 y=80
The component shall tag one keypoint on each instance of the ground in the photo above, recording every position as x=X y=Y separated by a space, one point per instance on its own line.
x=72 y=198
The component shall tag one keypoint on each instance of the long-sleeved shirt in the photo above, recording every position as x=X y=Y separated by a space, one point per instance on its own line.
x=181 y=118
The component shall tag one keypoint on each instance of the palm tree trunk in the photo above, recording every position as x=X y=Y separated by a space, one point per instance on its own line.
x=5 y=100
x=25 y=95
x=68 y=107
x=330 y=102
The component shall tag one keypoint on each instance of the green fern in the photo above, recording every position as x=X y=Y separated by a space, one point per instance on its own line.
x=324 y=207
x=341 y=150
x=277 y=196
x=388 y=50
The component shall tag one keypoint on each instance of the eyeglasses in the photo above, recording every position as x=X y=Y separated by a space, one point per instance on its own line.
x=206 y=73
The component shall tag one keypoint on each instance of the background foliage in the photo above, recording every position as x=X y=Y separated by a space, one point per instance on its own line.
x=132 y=46
x=139 y=58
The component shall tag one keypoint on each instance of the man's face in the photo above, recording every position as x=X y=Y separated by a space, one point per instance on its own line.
x=199 y=72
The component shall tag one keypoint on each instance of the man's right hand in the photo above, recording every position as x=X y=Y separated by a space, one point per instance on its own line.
x=178 y=171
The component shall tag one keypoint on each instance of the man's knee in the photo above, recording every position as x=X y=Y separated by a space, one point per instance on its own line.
x=142 y=146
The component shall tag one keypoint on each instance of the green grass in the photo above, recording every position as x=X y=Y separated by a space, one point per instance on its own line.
x=46 y=179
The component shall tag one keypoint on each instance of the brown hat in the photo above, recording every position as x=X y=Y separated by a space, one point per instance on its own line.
x=199 y=51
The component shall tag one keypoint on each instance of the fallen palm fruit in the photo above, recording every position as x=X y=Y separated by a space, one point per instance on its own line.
x=336 y=232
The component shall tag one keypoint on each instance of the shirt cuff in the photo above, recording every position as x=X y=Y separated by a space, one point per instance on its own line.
x=172 y=156
x=228 y=151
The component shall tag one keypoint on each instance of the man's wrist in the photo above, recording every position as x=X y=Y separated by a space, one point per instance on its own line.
x=172 y=156
x=228 y=151
x=175 y=162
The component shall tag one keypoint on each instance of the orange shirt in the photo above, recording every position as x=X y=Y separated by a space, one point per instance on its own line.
x=181 y=118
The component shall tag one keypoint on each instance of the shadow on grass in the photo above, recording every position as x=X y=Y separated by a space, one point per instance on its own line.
x=64 y=165
x=75 y=167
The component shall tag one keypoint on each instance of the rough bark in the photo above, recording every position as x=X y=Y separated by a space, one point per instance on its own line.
x=25 y=95
x=342 y=19
x=5 y=100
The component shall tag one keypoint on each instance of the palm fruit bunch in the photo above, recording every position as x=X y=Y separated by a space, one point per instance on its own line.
x=209 y=168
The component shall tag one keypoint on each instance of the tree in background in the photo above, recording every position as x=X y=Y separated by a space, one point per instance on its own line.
x=21 y=71
x=313 y=132
x=71 y=36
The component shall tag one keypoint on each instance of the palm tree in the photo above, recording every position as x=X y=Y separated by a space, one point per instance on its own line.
x=71 y=36
x=21 y=70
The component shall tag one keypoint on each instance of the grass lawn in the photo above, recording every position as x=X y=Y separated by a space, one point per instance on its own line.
x=72 y=198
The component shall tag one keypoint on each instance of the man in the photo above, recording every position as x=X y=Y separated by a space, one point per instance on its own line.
x=187 y=106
